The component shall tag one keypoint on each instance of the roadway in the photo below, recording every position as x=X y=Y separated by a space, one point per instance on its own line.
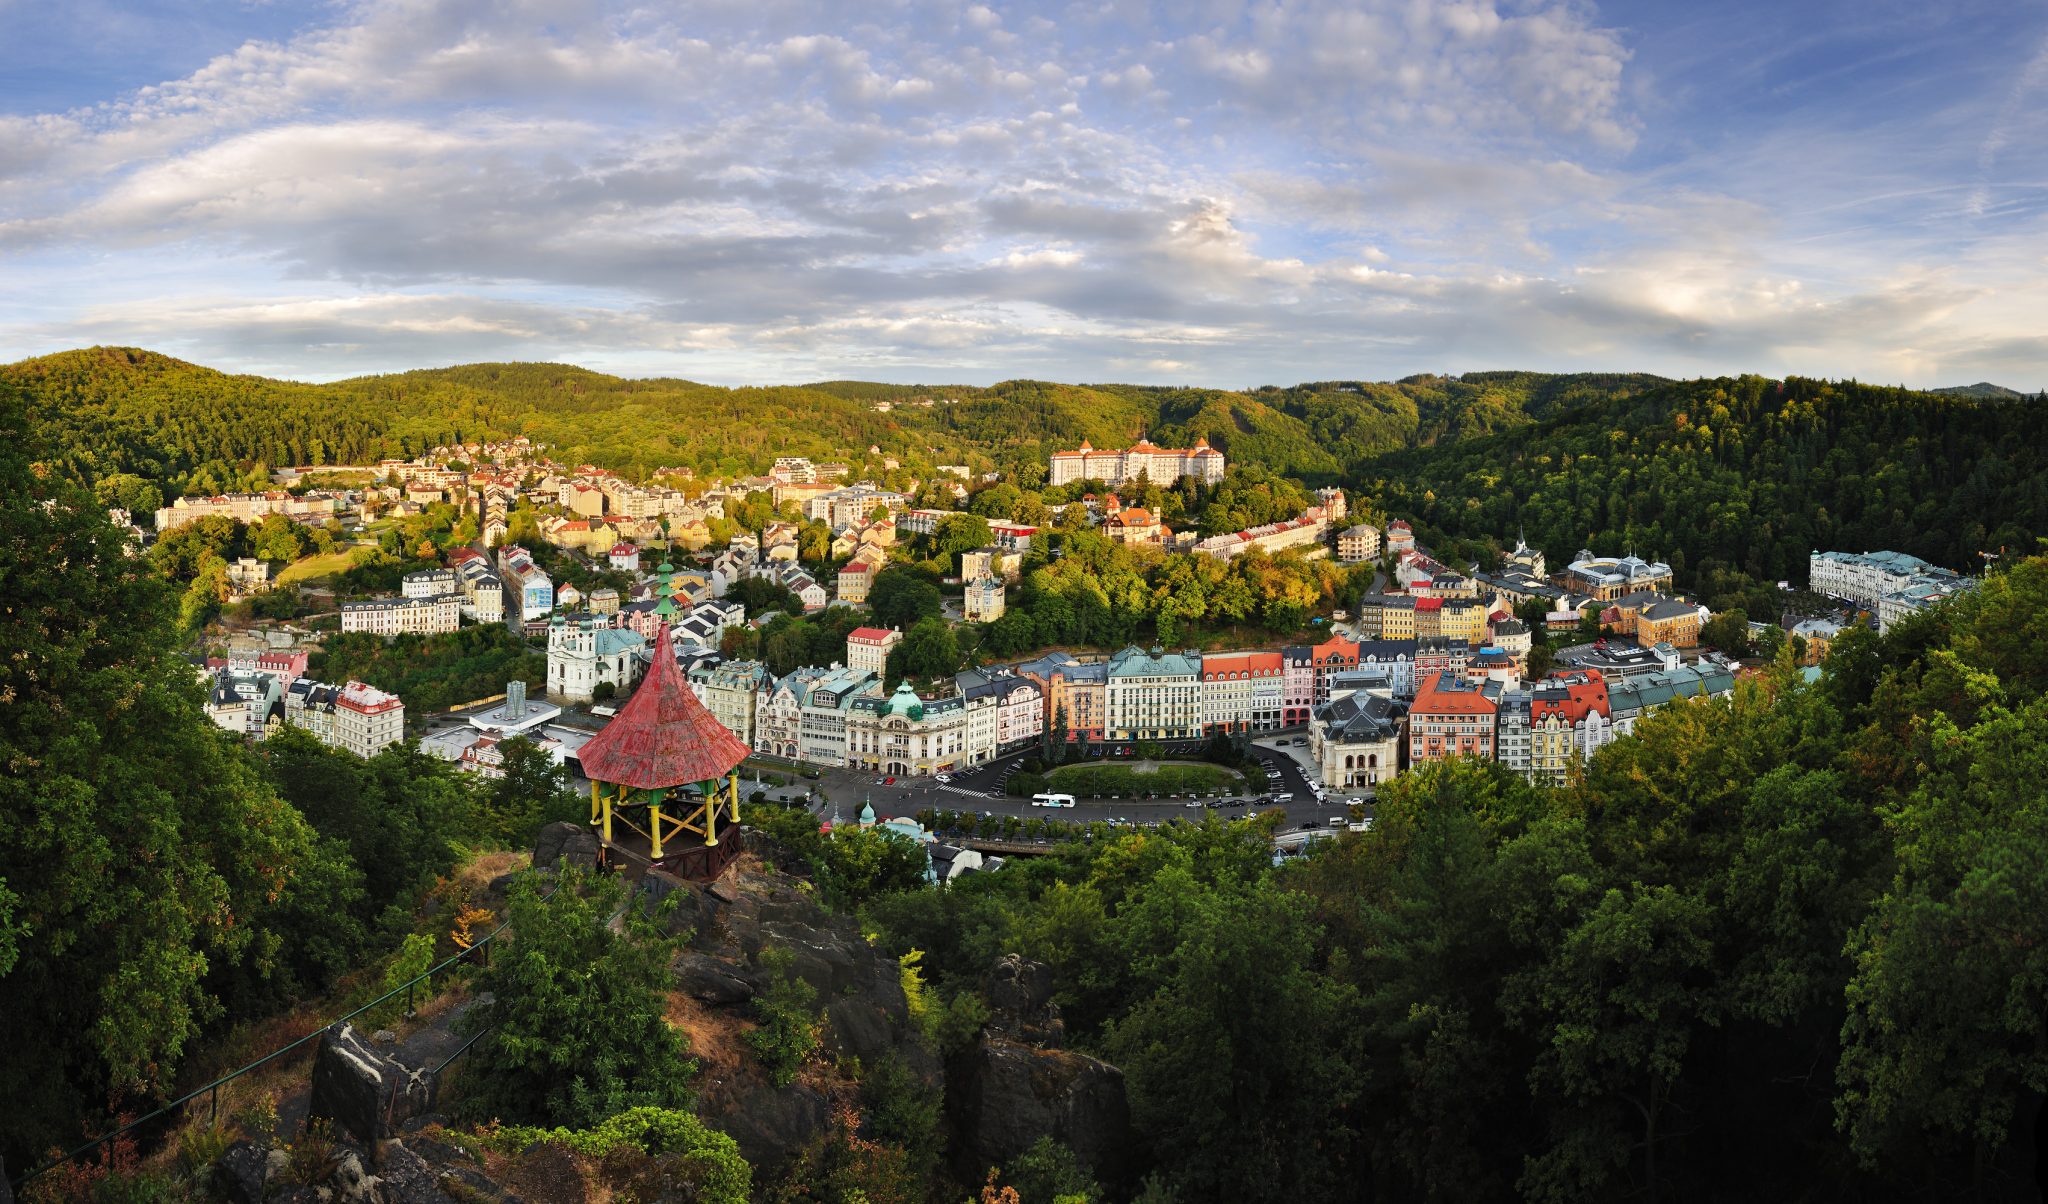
x=980 y=789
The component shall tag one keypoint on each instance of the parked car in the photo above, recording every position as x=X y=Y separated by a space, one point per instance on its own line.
x=888 y=781
x=1193 y=802
x=943 y=777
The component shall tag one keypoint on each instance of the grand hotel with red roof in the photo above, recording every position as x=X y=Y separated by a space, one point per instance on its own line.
x=1159 y=465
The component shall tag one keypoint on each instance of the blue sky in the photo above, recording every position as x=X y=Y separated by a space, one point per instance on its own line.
x=1198 y=192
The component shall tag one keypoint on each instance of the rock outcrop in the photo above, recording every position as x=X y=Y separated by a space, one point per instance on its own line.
x=1016 y=1084
x=732 y=920
x=364 y=1091
x=556 y=842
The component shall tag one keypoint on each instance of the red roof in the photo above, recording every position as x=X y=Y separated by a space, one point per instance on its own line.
x=663 y=736
x=869 y=635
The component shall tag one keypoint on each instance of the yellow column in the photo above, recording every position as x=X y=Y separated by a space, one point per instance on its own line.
x=593 y=804
x=711 y=814
x=607 y=818
x=654 y=828
x=735 y=816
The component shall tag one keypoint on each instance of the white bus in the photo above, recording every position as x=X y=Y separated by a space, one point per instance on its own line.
x=1052 y=800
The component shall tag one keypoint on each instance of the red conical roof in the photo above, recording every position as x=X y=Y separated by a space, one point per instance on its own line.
x=663 y=736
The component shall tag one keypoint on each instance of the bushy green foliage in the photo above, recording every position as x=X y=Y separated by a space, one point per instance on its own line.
x=787 y=1008
x=1048 y=1173
x=707 y=1162
x=576 y=1031
x=143 y=854
x=1735 y=481
x=433 y=672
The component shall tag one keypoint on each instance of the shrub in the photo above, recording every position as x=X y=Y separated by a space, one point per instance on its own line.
x=788 y=1012
x=650 y=1152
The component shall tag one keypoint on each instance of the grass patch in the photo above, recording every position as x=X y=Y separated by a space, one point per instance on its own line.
x=1097 y=779
x=314 y=567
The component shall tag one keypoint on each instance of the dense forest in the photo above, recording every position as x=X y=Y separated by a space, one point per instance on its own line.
x=108 y=411
x=1742 y=476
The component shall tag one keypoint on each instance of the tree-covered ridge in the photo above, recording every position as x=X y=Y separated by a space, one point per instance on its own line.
x=108 y=411
x=1743 y=475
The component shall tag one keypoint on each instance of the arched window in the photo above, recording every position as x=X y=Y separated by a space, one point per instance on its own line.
x=1372 y=760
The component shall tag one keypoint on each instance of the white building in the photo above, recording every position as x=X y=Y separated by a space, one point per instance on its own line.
x=1159 y=465
x=585 y=652
x=1154 y=696
x=1358 y=544
x=1355 y=741
x=404 y=616
x=984 y=600
x=1890 y=585
x=428 y=583
x=354 y=717
x=867 y=648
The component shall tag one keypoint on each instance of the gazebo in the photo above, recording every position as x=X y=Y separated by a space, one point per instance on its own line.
x=643 y=763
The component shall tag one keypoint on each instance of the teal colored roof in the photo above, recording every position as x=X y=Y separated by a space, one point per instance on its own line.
x=905 y=702
x=610 y=641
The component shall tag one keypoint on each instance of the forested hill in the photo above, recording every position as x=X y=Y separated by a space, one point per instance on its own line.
x=1741 y=475
x=111 y=410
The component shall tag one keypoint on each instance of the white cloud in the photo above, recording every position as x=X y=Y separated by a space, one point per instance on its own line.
x=792 y=188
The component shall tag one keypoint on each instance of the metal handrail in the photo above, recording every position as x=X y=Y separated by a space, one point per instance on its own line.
x=214 y=1087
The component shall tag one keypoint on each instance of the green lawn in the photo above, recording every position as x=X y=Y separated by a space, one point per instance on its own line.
x=1100 y=778
x=317 y=566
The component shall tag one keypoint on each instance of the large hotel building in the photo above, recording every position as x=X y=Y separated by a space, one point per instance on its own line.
x=1160 y=465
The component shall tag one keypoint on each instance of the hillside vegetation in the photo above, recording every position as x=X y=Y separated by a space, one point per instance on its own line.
x=1739 y=478
x=105 y=411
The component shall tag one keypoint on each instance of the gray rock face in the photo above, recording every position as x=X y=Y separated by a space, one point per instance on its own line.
x=860 y=992
x=1004 y=1096
x=240 y=1173
x=558 y=841
x=363 y=1091
x=712 y=981
x=403 y=1177
x=1019 y=994
x=772 y=1124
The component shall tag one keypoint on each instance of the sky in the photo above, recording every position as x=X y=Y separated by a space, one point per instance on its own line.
x=1210 y=193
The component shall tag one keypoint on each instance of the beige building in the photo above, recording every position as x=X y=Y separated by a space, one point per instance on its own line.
x=1159 y=465
x=1358 y=544
x=404 y=616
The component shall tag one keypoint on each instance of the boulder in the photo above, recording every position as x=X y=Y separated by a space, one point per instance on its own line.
x=563 y=840
x=711 y=981
x=364 y=1092
x=403 y=1177
x=1003 y=1096
x=241 y=1171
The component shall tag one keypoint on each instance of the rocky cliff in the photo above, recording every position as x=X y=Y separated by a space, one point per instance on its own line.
x=1015 y=1084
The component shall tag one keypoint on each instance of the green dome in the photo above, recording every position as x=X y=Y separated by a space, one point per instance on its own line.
x=905 y=702
x=867 y=813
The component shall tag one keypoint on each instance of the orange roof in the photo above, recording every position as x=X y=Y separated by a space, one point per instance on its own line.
x=663 y=737
x=1585 y=691
x=1215 y=663
x=1429 y=700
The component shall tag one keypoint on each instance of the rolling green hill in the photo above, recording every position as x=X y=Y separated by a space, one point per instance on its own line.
x=108 y=410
